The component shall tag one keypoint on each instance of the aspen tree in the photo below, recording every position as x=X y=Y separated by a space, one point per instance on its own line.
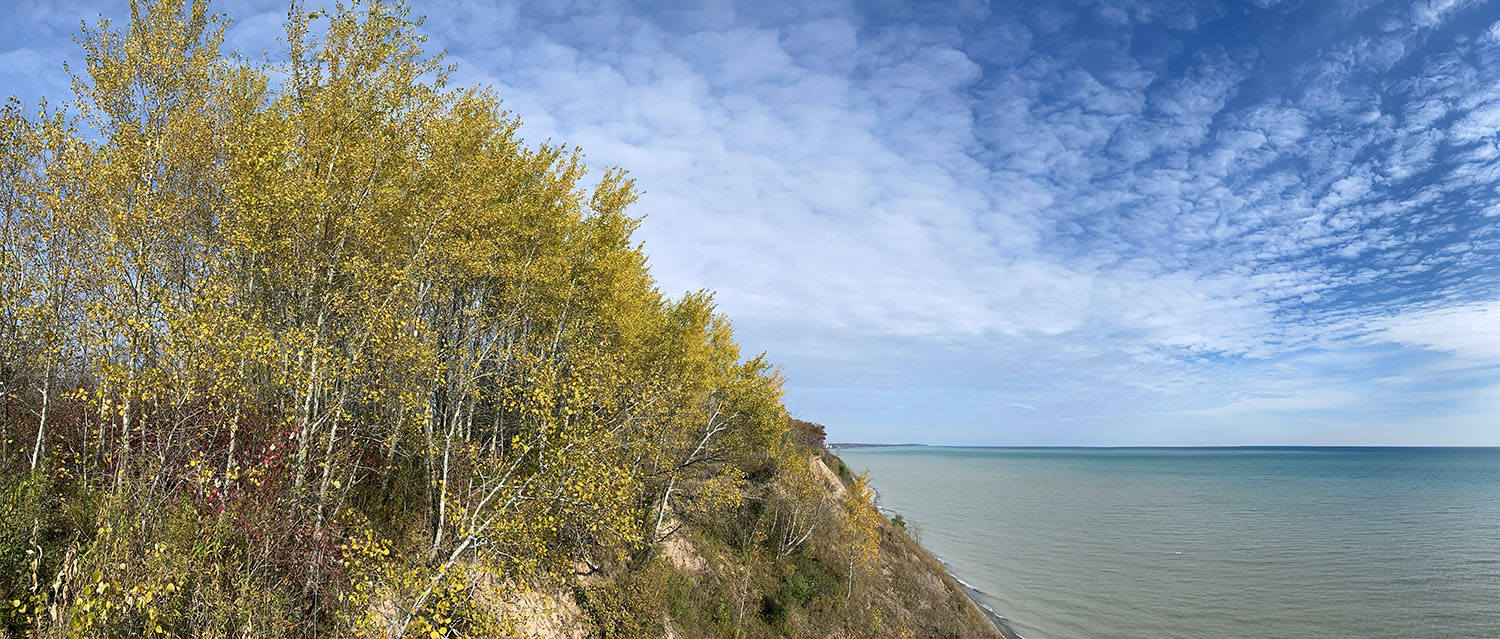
x=861 y=534
x=280 y=311
x=801 y=503
x=17 y=154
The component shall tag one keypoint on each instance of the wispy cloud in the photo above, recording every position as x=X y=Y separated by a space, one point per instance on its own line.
x=1468 y=331
x=1164 y=223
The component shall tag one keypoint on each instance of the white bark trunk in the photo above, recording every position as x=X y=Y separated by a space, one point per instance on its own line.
x=41 y=425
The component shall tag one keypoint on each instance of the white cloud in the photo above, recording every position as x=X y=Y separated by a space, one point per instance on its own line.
x=24 y=60
x=1470 y=330
x=1063 y=204
x=1430 y=13
x=1297 y=403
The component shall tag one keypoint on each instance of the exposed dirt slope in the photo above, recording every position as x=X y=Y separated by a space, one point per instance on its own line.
x=703 y=583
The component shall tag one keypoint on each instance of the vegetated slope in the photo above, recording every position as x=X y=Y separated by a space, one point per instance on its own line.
x=323 y=349
x=721 y=578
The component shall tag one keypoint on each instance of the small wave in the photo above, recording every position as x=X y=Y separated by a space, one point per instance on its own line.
x=978 y=597
x=948 y=568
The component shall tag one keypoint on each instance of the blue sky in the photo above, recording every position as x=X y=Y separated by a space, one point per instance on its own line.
x=1100 y=223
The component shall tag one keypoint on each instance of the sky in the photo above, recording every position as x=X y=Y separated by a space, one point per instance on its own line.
x=1028 y=223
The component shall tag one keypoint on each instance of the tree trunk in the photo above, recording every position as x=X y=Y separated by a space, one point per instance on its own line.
x=661 y=513
x=41 y=425
x=305 y=423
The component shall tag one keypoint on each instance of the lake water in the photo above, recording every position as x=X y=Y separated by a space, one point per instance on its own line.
x=1077 y=543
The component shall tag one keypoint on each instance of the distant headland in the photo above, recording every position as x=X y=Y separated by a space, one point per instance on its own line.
x=860 y=445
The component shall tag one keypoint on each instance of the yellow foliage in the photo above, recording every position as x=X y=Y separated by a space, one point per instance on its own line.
x=861 y=533
x=352 y=294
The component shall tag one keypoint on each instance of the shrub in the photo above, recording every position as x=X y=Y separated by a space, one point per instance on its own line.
x=679 y=596
x=630 y=605
x=807 y=580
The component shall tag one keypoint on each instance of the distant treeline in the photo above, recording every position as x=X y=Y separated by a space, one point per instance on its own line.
x=859 y=445
x=808 y=434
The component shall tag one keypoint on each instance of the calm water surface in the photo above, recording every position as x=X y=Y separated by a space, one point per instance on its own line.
x=1243 y=542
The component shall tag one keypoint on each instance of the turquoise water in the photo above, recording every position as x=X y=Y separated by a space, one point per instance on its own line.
x=1192 y=543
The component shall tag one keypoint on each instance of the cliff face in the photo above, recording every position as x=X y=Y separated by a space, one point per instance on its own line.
x=702 y=583
x=912 y=590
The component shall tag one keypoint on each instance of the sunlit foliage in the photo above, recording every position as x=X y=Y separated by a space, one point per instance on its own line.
x=861 y=532
x=306 y=349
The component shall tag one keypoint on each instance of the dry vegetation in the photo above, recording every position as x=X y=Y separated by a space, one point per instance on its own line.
x=751 y=593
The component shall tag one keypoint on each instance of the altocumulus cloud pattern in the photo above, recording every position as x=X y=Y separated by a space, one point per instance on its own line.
x=1023 y=222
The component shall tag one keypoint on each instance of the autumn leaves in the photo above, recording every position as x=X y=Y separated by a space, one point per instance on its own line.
x=333 y=328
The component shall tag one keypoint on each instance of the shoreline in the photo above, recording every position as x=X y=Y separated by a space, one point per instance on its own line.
x=977 y=597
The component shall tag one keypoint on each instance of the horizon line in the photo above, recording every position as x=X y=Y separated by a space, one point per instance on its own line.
x=926 y=445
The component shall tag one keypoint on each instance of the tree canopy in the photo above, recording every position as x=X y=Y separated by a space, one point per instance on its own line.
x=263 y=324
